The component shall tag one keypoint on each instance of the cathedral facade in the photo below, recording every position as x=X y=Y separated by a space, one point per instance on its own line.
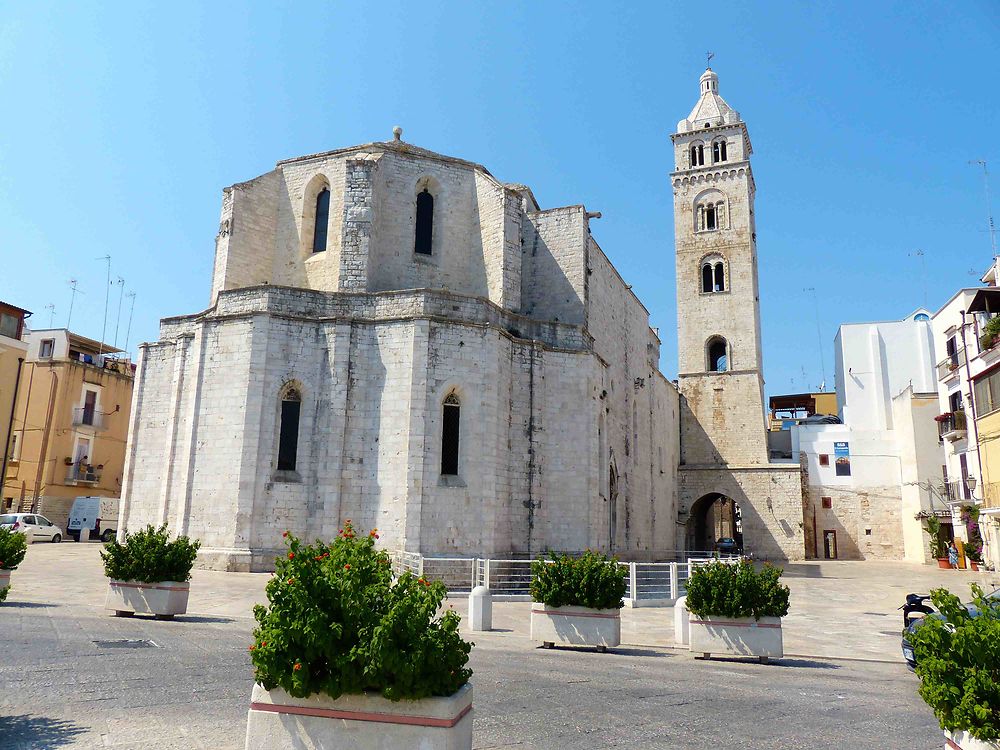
x=399 y=339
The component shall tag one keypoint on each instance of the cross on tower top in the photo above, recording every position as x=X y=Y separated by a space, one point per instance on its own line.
x=708 y=60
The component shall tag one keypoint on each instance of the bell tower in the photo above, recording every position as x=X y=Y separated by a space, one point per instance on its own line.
x=727 y=484
x=718 y=308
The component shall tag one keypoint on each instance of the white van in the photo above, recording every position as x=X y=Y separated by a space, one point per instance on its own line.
x=99 y=514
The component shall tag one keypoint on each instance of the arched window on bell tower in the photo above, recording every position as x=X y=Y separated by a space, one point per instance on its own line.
x=697 y=155
x=423 y=241
x=713 y=274
x=718 y=354
x=719 y=151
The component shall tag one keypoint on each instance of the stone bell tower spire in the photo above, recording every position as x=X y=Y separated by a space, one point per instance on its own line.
x=724 y=450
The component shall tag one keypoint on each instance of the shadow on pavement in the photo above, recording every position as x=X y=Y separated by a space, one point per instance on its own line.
x=803 y=571
x=635 y=651
x=36 y=732
x=28 y=605
x=202 y=618
x=782 y=662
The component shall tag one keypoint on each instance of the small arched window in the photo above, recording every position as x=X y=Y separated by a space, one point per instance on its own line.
x=451 y=412
x=711 y=217
x=718 y=360
x=706 y=278
x=720 y=277
x=698 y=155
x=719 y=151
x=288 y=431
x=322 y=220
x=425 y=223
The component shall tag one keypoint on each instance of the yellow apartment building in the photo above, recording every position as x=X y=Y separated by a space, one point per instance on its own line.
x=70 y=424
x=13 y=352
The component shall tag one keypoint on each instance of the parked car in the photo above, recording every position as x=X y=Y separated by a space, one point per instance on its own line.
x=914 y=623
x=727 y=545
x=99 y=514
x=35 y=527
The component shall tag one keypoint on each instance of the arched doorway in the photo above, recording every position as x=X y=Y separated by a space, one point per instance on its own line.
x=714 y=517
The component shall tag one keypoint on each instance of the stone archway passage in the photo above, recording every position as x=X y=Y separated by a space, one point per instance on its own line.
x=714 y=517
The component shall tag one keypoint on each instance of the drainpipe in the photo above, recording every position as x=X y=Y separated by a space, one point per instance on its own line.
x=10 y=425
x=972 y=403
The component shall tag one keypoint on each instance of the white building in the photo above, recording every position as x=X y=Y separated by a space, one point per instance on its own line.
x=968 y=457
x=873 y=477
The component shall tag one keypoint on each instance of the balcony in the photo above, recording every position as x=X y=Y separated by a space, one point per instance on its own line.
x=948 y=367
x=951 y=426
x=90 y=474
x=957 y=492
x=88 y=416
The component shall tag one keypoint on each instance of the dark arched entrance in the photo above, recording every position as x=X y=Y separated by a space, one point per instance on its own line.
x=714 y=517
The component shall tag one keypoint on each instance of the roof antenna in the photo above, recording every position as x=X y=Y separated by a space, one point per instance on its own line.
x=989 y=209
x=819 y=335
x=923 y=270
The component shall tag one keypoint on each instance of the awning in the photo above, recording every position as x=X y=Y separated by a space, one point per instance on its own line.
x=986 y=300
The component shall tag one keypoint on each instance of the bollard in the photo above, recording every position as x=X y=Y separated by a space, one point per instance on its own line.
x=481 y=609
x=681 y=622
x=84 y=535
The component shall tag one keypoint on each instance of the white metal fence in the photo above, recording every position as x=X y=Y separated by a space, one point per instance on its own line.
x=646 y=583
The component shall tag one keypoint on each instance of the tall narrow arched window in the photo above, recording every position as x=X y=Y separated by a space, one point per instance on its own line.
x=711 y=217
x=720 y=277
x=718 y=359
x=425 y=223
x=706 y=278
x=698 y=155
x=719 y=151
x=322 y=220
x=288 y=430
x=451 y=412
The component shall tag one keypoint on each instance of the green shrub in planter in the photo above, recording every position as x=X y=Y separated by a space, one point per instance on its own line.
x=958 y=663
x=721 y=589
x=13 y=547
x=593 y=580
x=149 y=556
x=337 y=622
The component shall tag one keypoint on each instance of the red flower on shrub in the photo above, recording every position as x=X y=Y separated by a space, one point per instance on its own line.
x=251 y=648
x=291 y=555
x=291 y=581
x=347 y=567
x=297 y=667
x=284 y=534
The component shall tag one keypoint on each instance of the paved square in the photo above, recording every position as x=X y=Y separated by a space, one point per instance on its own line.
x=189 y=688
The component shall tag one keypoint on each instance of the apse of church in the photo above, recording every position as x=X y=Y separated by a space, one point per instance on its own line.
x=400 y=339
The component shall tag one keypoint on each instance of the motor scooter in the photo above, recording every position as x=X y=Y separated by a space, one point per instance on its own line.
x=915 y=603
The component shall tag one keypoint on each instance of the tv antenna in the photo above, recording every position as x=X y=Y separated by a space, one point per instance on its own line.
x=72 y=298
x=107 y=293
x=52 y=313
x=819 y=336
x=989 y=206
x=129 y=329
x=923 y=270
x=121 y=293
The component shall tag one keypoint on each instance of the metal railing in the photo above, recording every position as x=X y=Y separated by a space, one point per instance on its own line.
x=950 y=364
x=646 y=583
x=87 y=417
x=951 y=425
x=956 y=491
x=90 y=474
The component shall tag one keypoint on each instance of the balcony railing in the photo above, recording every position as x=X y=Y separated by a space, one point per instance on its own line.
x=87 y=416
x=950 y=364
x=991 y=495
x=956 y=491
x=952 y=426
x=84 y=474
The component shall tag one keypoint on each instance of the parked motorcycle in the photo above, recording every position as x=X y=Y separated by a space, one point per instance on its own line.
x=915 y=603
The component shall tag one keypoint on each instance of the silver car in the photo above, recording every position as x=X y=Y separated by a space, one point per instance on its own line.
x=35 y=527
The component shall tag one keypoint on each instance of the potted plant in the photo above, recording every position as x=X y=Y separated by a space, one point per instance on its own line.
x=346 y=656
x=974 y=547
x=991 y=332
x=736 y=609
x=938 y=549
x=13 y=547
x=958 y=664
x=577 y=601
x=149 y=573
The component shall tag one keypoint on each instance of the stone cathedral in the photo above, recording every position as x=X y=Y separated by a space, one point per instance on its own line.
x=398 y=338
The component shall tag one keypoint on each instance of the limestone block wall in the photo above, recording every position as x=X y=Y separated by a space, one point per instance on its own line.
x=245 y=245
x=554 y=279
x=769 y=497
x=867 y=521
x=722 y=419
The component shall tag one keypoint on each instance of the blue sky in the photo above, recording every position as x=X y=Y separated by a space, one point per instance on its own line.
x=123 y=122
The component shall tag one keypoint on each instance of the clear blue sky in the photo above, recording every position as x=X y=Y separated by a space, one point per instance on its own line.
x=124 y=121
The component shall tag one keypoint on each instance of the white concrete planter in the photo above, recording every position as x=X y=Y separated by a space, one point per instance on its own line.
x=163 y=598
x=576 y=626
x=740 y=636
x=965 y=741
x=4 y=578
x=278 y=721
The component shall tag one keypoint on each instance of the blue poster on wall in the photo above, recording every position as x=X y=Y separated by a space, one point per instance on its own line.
x=842 y=454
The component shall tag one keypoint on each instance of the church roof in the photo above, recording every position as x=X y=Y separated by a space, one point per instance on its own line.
x=711 y=109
